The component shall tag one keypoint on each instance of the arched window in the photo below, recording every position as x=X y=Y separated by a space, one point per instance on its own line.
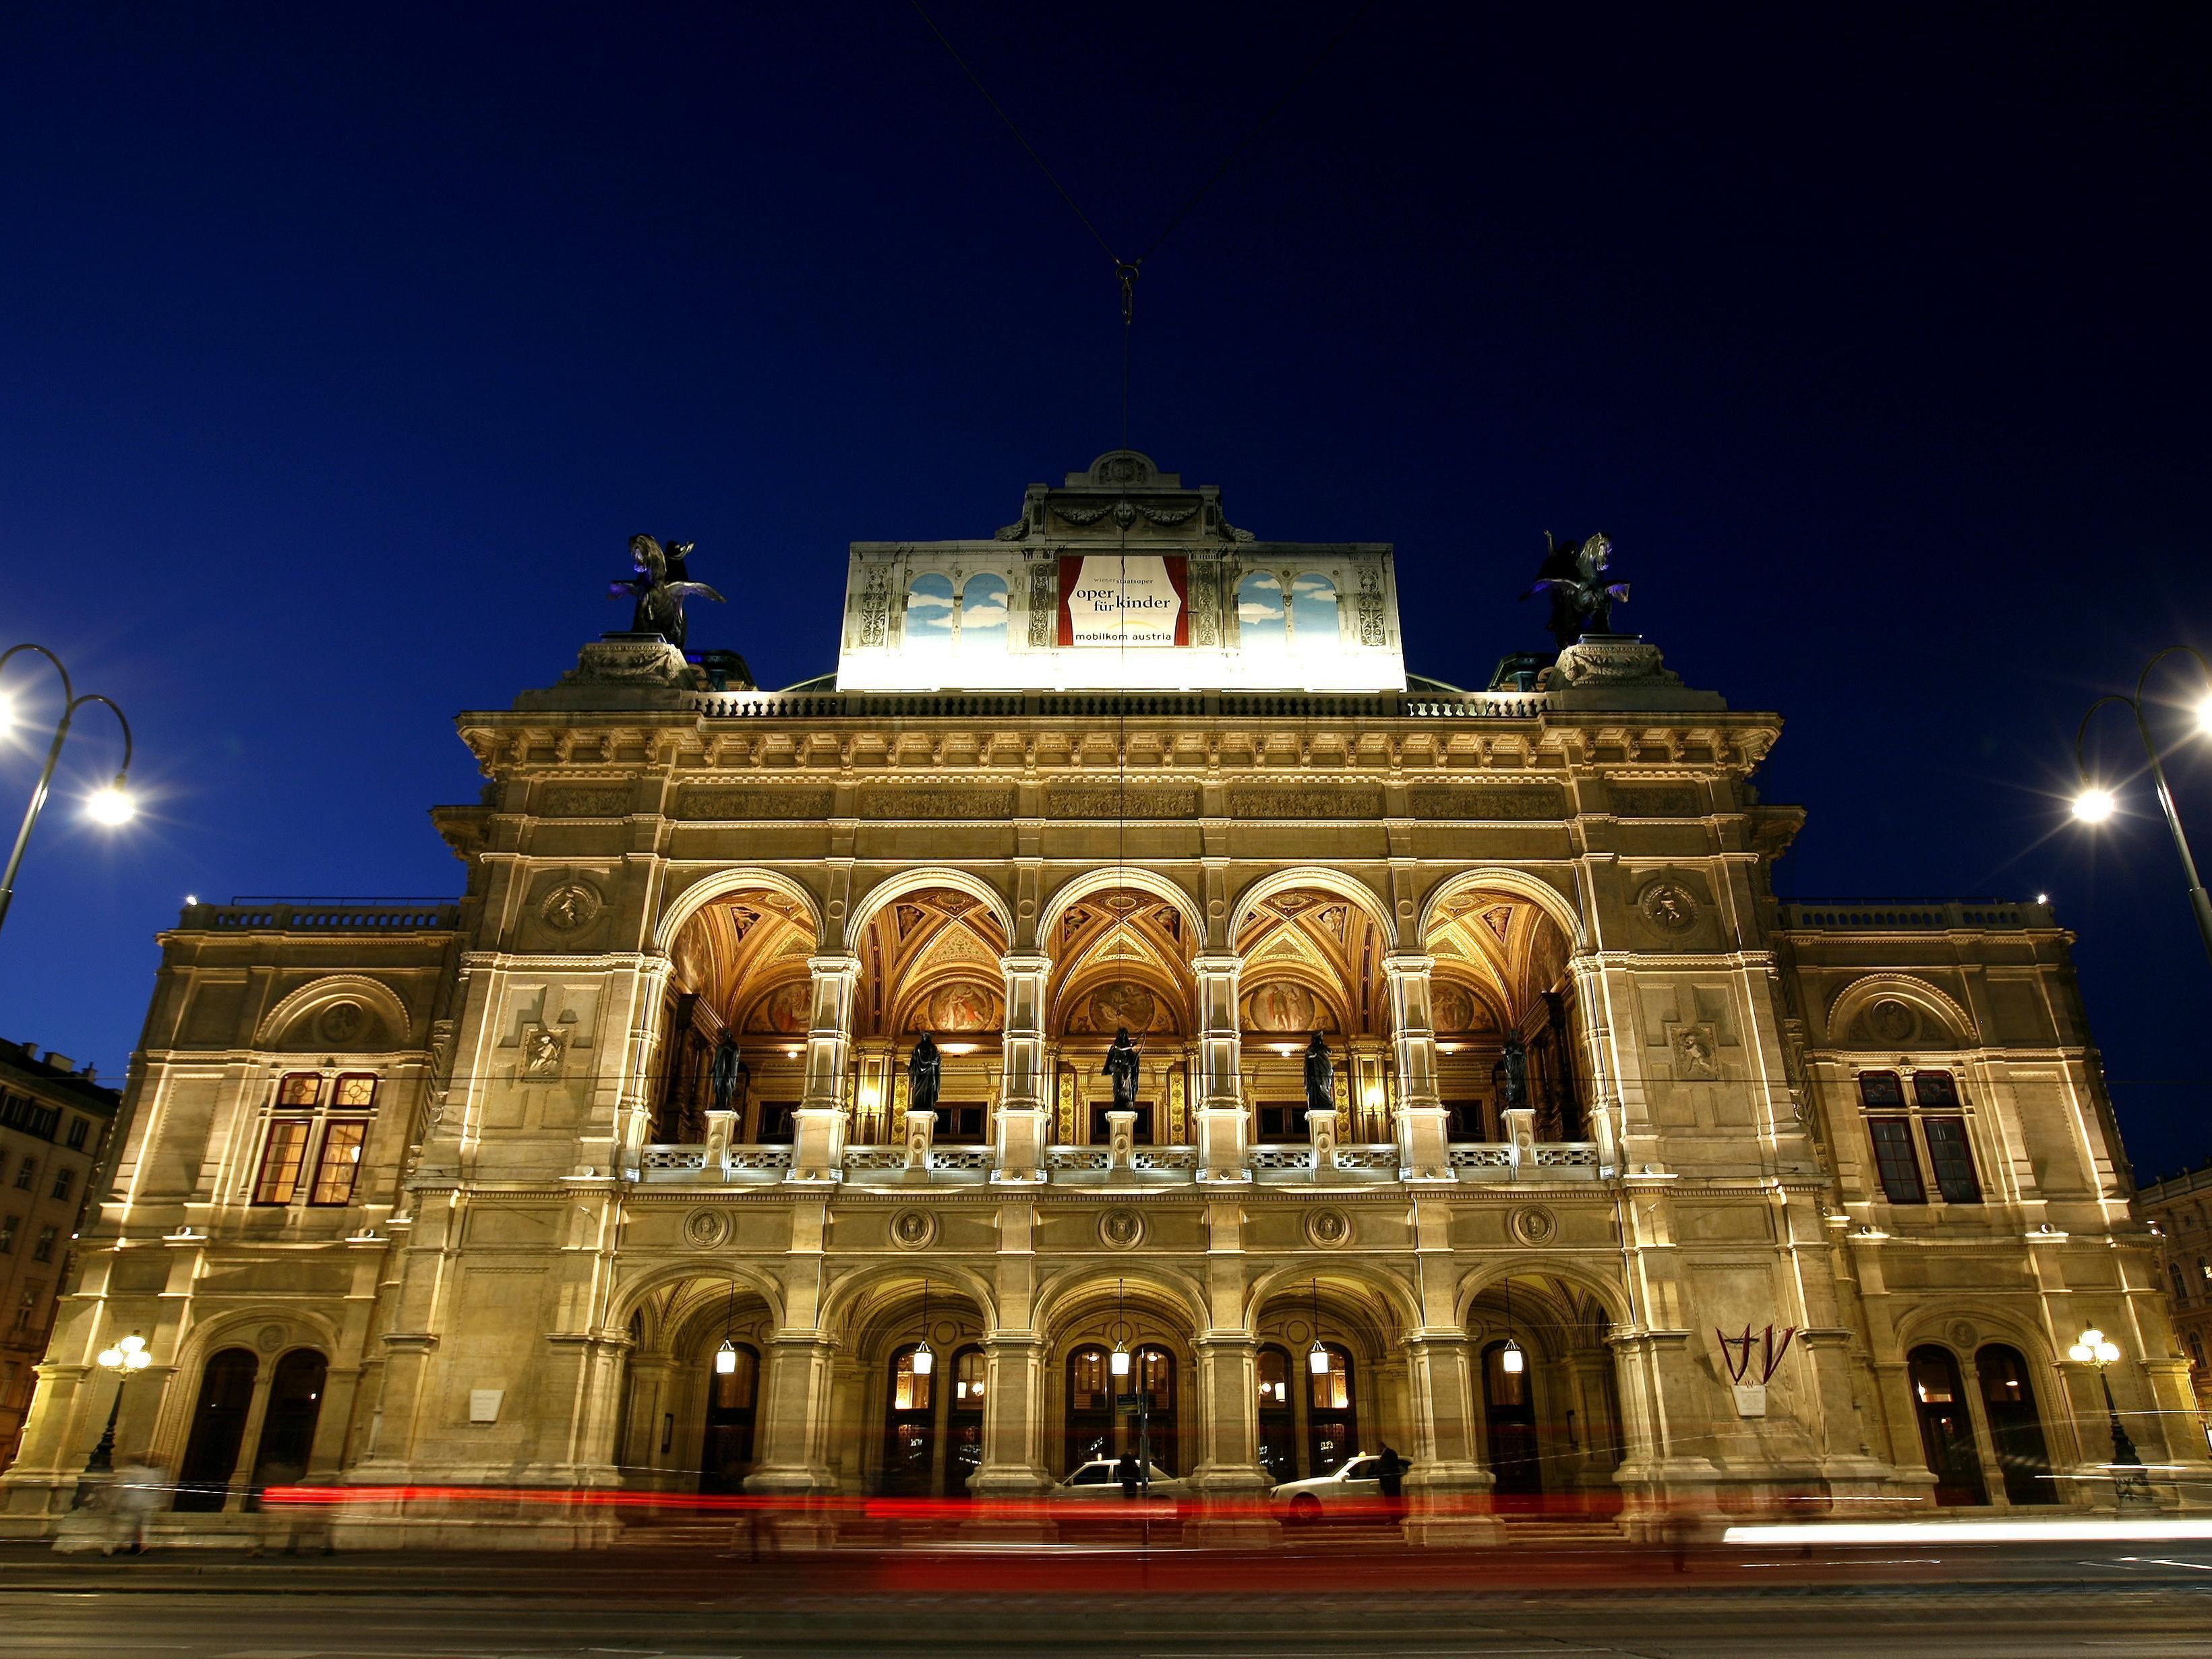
x=218 y=1428
x=1261 y=621
x=1090 y=1406
x=964 y=1452
x=929 y=611
x=1332 y=1411
x=910 y=1427
x=1947 y=1431
x=2180 y=1284
x=1314 y=618
x=983 y=614
x=1279 y=1429
x=2015 y=1429
x=2195 y=1352
x=288 y=1427
x=1154 y=1375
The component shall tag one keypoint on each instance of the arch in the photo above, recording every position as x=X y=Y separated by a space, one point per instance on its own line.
x=1315 y=608
x=398 y=1025
x=1320 y=880
x=1503 y=879
x=844 y=1295
x=1262 y=619
x=927 y=613
x=719 y=883
x=983 y=596
x=216 y=1440
x=1106 y=878
x=289 y=1418
x=1284 y=1278
x=1855 y=998
x=1480 y=1281
x=1071 y=1295
x=635 y=1298
x=917 y=876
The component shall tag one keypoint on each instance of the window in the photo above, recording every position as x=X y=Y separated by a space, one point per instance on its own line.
x=1086 y=1380
x=44 y=1249
x=355 y=1092
x=1892 y=1157
x=968 y=1380
x=1952 y=1158
x=1274 y=1378
x=281 y=1161
x=78 y=1129
x=960 y=1126
x=1156 y=1378
x=340 y=1163
x=65 y=1182
x=300 y=1090
x=2203 y=1272
x=1937 y=1089
x=1281 y=1125
x=1880 y=1089
x=1092 y=1474
x=26 y=1175
x=2180 y=1284
x=8 y=1224
x=1332 y=1388
x=1463 y=1120
x=777 y=1121
x=909 y=1391
x=28 y=1305
x=2195 y=1352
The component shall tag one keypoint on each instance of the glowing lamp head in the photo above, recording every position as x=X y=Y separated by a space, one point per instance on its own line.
x=2203 y=714
x=1513 y=1360
x=925 y=1358
x=1120 y=1361
x=2094 y=805
x=111 y=806
x=726 y=1358
x=1317 y=1359
x=111 y=1358
x=2107 y=1352
x=7 y=711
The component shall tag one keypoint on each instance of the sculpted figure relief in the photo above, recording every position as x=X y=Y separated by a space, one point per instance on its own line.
x=660 y=586
x=1582 y=603
x=1122 y=1065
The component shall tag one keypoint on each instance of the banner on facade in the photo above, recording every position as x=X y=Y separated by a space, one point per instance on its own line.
x=1117 y=599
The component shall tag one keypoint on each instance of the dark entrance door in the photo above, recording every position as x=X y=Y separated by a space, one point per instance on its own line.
x=218 y=1427
x=1332 y=1413
x=1947 y=1431
x=963 y=1423
x=733 y=1400
x=909 y=1428
x=2009 y=1400
x=1509 y=1403
x=1090 y=1408
x=1279 y=1423
x=288 y=1428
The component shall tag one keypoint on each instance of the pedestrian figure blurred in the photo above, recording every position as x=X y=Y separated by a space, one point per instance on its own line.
x=137 y=1493
x=1393 y=1472
x=1128 y=1474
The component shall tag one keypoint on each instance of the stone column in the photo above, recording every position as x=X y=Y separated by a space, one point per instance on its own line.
x=1222 y=1125
x=1023 y=1129
x=1448 y=1492
x=1603 y=1107
x=794 y=1435
x=1422 y=1133
x=1014 y=1399
x=1320 y=1132
x=634 y=1109
x=1227 y=1473
x=1667 y=1489
x=817 y=1151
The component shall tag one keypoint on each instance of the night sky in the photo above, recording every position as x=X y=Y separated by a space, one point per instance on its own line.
x=342 y=348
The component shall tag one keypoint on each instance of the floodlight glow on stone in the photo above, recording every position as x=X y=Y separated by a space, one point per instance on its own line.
x=2094 y=805
x=2204 y=712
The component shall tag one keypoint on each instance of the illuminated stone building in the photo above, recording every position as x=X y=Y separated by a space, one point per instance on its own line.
x=445 y=1194
x=2180 y=1208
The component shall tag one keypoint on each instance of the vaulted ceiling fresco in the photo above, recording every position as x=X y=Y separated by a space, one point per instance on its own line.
x=1121 y=958
x=745 y=955
x=1313 y=962
x=929 y=962
x=1495 y=955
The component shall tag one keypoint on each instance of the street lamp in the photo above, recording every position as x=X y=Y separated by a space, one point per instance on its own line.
x=111 y=805
x=125 y=1358
x=2094 y=803
x=2127 y=1476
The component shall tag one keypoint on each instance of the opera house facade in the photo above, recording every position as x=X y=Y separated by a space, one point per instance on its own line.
x=1626 y=1189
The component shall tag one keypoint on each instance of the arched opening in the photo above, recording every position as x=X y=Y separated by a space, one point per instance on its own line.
x=929 y=611
x=1503 y=1006
x=732 y=1390
x=1315 y=613
x=1947 y=1427
x=1313 y=964
x=287 y=1422
x=734 y=1027
x=1105 y=1413
x=1156 y=1439
x=218 y=1430
x=2016 y=1426
x=910 y=1424
x=1262 y=621
x=1121 y=961
x=1091 y=1417
x=929 y=966
x=1546 y=1385
x=920 y=1378
x=1332 y=1410
x=964 y=1418
x=1326 y=1345
x=1508 y=1403
x=982 y=620
x=1278 y=1425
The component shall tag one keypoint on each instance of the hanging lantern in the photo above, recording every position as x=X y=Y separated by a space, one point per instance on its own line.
x=1317 y=1358
x=1511 y=1360
x=726 y=1358
x=925 y=1357
x=1120 y=1361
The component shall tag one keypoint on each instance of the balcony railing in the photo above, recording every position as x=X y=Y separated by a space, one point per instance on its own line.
x=1093 y=1166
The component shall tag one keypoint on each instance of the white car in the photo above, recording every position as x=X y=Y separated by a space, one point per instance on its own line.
x=1096 y=1481
x=1354 y=1485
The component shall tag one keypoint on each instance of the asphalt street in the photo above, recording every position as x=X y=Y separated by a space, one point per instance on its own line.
x=2144 y=1602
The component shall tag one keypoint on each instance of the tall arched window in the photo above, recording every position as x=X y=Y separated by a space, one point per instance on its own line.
x=2180 y=1284
x=1946 y=1429
x=1090 y=1406
x=288 y=1427
x=910 y=1427
x=218 y=1428
x=1279 y=1424
x=1261 y=621
x=1313 y=611
x=983 y=614
x=2015 y=1427
x=725 y=1455
x=1332 y=1413
x=929 y=611
x=964 y=1423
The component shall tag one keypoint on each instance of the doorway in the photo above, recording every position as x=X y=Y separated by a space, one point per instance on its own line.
x=732 y=1403
x=288 y=1427
x=2016 y=1426
x=218 y=1430
x=1510 y=1408
x=1946 y=1429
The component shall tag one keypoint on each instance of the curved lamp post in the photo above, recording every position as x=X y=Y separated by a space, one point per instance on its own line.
x=125 y=1358
x=2127 y=1476
x=111 y=805
x=2095 y=803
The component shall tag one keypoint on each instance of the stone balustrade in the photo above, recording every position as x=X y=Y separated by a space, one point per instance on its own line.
x=720 y=1164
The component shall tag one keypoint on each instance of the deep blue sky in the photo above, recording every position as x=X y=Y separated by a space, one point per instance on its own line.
x=342 y=347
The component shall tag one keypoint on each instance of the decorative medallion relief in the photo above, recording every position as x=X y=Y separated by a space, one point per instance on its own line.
x=1891 y=1020
x=1489 y=803
x=914 y=1230
x=695 y=806
x=1667 y=905
x=544 y=1047
x=1122 y=1229
x=1533 y=1224
x=1329 y=1229
x=1108 y=802
x=1284 y=801
x=571 y=906
x=272 y=1339
x=341 y=1024
x=706 y=1229
x=1697 y=1054
x=921 y=801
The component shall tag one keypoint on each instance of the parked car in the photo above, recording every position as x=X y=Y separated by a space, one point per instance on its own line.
x=1353 y=1487
x=1097 y=1482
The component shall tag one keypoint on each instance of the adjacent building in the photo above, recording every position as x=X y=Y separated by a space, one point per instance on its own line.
x=54 y=1124
x=1621 y=1184
x=2179 y=1210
